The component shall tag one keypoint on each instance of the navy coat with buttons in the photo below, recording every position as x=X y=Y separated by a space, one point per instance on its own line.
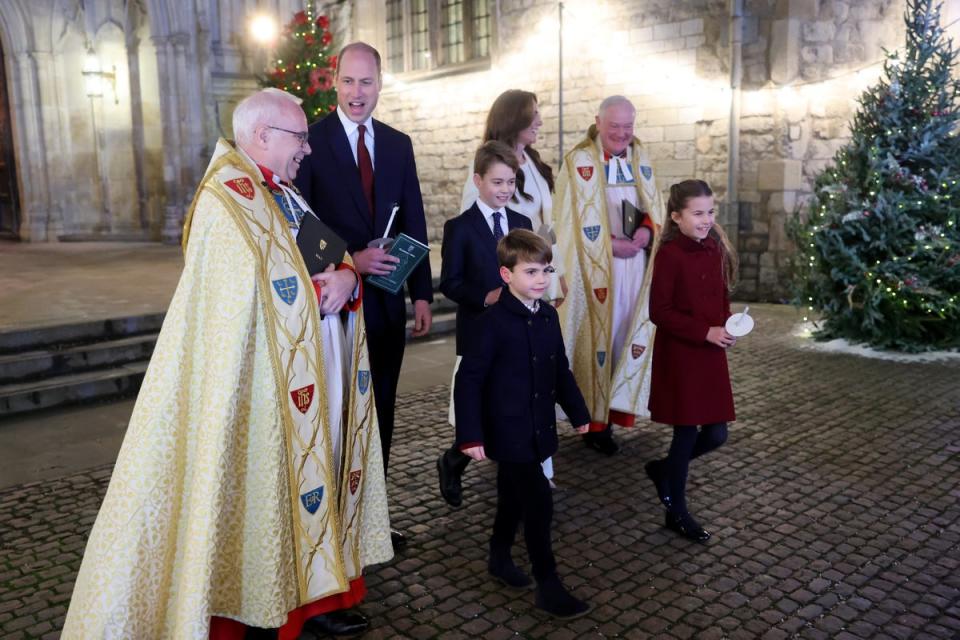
x=513 y=372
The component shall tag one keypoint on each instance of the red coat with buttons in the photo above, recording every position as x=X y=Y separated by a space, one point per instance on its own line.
x=690 y=382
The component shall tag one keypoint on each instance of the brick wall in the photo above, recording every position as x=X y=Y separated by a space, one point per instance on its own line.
x=673 y=60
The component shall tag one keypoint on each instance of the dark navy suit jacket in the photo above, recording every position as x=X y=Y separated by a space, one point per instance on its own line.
x=513 y=372
x=330 y=183
x=470 y=269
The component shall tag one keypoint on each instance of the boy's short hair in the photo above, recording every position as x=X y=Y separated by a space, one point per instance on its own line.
x=492 y=152
x=521 y=245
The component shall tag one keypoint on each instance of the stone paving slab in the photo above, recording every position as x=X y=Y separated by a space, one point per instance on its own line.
x=834 y=508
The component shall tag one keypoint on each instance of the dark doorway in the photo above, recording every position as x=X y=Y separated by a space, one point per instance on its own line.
x=9 y=200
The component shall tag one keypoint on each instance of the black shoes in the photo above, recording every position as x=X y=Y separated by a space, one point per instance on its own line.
x=602 y=441
x=553 y=598
x=686 y=526
x=398 y=540
x=658 y=476
x=338 y=623
x=450 y=472
x=508 y=573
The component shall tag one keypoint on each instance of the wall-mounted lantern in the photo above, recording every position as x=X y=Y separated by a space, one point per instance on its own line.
x=95 y=77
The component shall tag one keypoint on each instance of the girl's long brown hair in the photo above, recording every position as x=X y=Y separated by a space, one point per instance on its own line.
x=511 y=113
x=680 y=194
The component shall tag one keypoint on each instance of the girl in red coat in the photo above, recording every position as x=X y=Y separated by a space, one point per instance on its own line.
x=694 y=270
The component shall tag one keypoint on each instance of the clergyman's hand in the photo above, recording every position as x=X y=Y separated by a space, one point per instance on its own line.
x=477 y=453
x=336 y=288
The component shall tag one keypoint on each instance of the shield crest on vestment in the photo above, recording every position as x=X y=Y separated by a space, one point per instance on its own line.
x=601 y=357
x=302 y=398
x=243 y=186
x=311 y=500
x=592 y=232
x=601 y=294
x=636 y=350
x=355 y=481
x=363 y=381
x=646 y=171
x=585 y=172
x=286 y=288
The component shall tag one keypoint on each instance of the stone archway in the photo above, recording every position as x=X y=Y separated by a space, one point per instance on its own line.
x=9 y=185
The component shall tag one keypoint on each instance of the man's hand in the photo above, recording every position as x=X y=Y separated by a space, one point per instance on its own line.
x=624 y=248
x=336 y=288
x=374 y=261
x=582 y=428
x=477 y=453
x=720 y=337
x=642 y=237
x=422 y=318
x=492 y=296
x=564 y=290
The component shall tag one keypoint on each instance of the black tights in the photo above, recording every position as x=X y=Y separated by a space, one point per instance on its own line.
x=689 y=443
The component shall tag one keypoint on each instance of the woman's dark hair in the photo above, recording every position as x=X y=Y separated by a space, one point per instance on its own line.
x=511 y=113
x=680 y=194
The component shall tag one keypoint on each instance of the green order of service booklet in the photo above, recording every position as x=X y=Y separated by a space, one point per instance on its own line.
x=411 y=253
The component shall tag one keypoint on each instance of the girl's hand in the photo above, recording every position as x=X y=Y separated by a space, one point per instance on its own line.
x=720 y=337
x=583 y=428
x=477 y=453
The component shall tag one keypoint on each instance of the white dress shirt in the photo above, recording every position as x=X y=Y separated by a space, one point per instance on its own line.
x=488 y=216
x=353 y=132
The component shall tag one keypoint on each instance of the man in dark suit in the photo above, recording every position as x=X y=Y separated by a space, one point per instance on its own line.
x=470 y=275
x=360 y=169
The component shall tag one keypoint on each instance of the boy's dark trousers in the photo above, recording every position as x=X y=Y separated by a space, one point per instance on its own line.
x=523 y=495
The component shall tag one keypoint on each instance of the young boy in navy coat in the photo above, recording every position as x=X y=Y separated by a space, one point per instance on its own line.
x=470 y=275
x=514 y=369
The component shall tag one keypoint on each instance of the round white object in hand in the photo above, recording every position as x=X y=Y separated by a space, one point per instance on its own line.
x=740 y=324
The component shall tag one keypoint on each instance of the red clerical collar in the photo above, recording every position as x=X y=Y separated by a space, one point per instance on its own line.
x=269 y=176
x=607 y=156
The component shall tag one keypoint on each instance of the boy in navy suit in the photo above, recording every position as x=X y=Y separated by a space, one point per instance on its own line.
x=514 y=369
x=470 y=273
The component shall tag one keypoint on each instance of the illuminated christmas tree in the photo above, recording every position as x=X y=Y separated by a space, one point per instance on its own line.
x=879 y=245
x=306 y=63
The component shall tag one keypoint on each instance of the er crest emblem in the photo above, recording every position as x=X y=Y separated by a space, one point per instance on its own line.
x=601 y=357
x=585 y=172
x=592 y=232
x=636 y=350
x=311 y=500
x=601 y=294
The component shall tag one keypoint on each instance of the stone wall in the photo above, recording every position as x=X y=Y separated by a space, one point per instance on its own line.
x=799 y=61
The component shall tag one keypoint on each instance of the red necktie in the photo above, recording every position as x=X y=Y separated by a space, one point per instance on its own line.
x=366 y=168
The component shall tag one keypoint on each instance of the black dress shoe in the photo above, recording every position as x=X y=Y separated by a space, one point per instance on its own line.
x=655 y=472
x=450 y=486
x=553 y=598
x=602 y=441
x=398 y=539
x=508 y=573
x=686 y=526
x=338 y=623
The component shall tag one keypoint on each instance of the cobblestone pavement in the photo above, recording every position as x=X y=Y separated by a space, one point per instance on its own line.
x=834 y=508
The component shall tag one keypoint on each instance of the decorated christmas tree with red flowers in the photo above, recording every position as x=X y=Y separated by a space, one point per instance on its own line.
x=879 y=245
x=306 y=63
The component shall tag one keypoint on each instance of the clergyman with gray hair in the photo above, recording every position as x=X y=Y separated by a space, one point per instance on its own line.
x=607 y=209
x=248 y=495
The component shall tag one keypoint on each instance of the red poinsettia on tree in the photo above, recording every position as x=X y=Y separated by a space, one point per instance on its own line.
x=306 y=63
